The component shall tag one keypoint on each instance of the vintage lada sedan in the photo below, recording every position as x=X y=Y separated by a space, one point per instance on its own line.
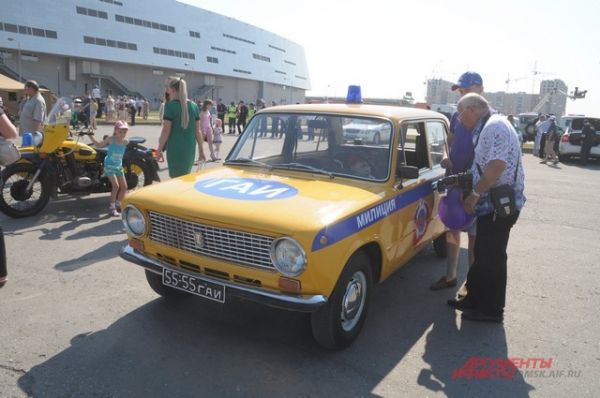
x=302 y=215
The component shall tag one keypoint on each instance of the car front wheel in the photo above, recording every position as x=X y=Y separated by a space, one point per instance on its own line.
x=337 y=324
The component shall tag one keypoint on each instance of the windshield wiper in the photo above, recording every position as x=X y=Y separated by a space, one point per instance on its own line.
x=302 y=166
x=249 y=161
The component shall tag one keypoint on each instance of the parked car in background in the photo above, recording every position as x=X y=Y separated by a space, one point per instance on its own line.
x=526 y=125
x=301 y=224
x=366 y=131
x=570 y=142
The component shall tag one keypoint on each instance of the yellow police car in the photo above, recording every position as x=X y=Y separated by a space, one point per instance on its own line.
x=302 y=215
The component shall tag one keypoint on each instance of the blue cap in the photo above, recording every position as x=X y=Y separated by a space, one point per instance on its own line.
x=467 y=80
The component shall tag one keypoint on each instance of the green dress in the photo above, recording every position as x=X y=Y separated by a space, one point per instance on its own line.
x=181 y=144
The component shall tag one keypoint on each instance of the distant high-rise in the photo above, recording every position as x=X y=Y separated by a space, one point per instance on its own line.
x=439 y=91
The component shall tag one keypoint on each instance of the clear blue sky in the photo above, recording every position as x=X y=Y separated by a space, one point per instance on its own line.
x=390 y=47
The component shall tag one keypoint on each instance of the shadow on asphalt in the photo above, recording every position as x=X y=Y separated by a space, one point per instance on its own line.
x=195 y=347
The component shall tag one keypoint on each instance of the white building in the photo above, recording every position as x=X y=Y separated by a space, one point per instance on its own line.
x=128 y=46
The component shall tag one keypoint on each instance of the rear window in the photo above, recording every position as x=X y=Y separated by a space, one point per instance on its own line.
x=577 y=124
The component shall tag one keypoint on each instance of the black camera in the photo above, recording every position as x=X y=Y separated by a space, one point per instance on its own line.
x=464 y=181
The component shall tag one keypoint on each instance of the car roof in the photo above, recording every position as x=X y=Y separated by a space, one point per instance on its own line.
x=392 y=112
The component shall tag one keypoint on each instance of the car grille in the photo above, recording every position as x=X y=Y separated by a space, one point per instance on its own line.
x=238 y=247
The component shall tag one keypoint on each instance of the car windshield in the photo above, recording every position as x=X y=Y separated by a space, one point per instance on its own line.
x=333 y=145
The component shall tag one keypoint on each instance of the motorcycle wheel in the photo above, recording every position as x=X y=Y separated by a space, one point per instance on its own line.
x=15 y=200
x=137 y=175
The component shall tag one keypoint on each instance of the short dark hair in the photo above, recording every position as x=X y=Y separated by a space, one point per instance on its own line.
x=32 y=84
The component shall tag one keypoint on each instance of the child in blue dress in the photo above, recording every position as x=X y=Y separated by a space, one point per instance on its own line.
x=113 y=164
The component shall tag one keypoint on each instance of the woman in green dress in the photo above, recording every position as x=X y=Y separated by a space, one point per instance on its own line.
x=181 y=129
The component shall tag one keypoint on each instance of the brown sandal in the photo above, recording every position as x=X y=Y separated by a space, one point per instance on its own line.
x=442 y=283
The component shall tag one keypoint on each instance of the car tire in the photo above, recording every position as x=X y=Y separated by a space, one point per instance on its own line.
x=155 y=282
x=439 y=246
x=337 y=324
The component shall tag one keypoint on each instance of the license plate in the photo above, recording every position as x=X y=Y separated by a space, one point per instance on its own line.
x=194 y=285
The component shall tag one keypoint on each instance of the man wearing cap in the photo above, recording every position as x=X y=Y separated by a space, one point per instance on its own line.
x=459 y=161
x=497 y=162
x=588 y=135
x=32 y=114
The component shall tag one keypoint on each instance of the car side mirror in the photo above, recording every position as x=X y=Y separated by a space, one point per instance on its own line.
x=408 y=172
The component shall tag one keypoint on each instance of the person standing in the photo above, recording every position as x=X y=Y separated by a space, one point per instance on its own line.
x=93 y=113
x=540 y=129
x=459 y=160
x=242 y=115
x=181 y=127
x=132 y=107
x=231 y=113
x=262 y=126
x=497 y=162
x=221 y=110
x=145 y=108
x=113 y=164
x=588 y=136
x=552 y=136
x=86 y=110
x=206 y=127
x=110 y=108
x=218 y=137
x=7 y=131
x=274 y=123
x=32 y=115
x=97 y=97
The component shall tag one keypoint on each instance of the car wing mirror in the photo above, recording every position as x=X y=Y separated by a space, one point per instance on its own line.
x=408 y=172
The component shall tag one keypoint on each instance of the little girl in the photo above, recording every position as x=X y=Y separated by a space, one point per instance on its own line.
x=217 y=134
x=113 y=164
x=206 y=126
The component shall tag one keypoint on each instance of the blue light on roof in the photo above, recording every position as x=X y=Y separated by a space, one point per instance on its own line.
x=354 y=96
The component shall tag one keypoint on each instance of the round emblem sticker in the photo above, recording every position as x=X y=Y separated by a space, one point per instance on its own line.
x=421 y=220
x=245 y=188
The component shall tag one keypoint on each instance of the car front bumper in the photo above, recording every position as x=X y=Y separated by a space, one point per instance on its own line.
x=302 y=303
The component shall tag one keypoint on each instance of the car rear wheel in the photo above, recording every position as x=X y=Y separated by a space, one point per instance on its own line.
x=337 y=324
x=155 y=282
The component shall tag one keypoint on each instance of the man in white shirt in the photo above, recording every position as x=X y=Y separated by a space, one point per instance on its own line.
x=497 y=162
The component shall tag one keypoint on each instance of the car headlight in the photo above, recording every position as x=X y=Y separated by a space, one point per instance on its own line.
x=288 y=256
x=134 y=221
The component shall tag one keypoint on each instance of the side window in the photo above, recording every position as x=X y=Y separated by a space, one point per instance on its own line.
x=414 y=152
x=436 y=141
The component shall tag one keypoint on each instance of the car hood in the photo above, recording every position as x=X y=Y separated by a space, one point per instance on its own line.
x=268 y=201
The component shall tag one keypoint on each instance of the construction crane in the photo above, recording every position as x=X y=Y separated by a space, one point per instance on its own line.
x=533 y=75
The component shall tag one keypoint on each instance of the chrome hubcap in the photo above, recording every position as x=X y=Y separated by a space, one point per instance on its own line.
x=353 y=301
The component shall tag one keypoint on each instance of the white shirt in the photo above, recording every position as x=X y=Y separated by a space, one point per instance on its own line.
x=96 y=93
x=499 y=141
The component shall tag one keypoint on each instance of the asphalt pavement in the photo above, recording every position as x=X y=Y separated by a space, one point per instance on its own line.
x=77 y=321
